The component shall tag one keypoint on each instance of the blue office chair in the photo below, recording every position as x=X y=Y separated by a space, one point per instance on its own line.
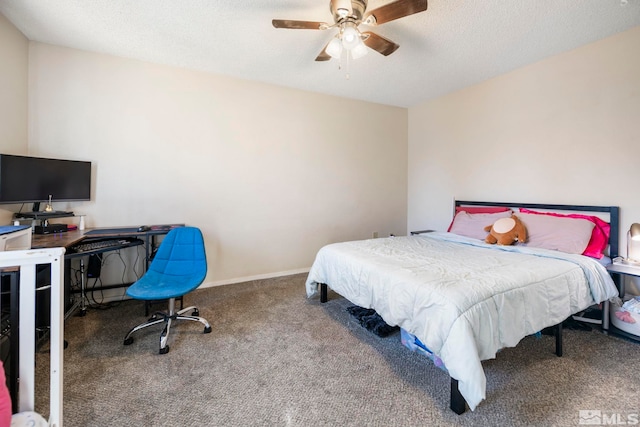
x=179 y=267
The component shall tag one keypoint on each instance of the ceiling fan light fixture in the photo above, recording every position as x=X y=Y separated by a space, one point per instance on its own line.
x=334 y=48
x=350 y=37
x=348 y=15
x=359 y=50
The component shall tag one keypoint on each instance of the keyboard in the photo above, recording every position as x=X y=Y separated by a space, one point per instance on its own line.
x=103 y=245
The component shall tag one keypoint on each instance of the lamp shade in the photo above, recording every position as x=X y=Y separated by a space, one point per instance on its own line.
x=350 y=37
x=334 y=48
x=632 y=235
x=359 y=50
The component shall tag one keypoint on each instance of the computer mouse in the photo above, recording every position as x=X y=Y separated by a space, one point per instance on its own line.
x=143 y=228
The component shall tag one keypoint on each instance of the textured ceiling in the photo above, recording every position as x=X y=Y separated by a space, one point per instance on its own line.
x=454 y=44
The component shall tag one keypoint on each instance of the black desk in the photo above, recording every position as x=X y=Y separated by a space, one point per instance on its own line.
x=149 y=236
x=72 y=238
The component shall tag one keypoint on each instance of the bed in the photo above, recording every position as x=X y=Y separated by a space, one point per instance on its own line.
x=464 y=299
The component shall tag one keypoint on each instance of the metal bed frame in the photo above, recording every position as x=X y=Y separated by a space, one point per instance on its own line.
x=456 y=402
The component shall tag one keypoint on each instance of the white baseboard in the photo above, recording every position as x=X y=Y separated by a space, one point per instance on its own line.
x=256 y=277
x=112 y=295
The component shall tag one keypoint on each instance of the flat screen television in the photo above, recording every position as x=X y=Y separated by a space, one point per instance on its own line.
x=26 y=179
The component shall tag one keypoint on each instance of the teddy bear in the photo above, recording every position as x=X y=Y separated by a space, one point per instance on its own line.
x=506 y=231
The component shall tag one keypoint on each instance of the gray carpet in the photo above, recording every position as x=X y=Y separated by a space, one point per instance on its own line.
x=275 y=358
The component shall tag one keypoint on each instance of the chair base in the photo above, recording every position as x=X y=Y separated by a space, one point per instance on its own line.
x=167 y=318
x=148 y=304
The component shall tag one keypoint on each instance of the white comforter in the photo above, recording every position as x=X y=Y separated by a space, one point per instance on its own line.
x=462 y=298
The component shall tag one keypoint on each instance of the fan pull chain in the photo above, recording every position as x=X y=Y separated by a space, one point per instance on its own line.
x=347 y=57
x=348 y=75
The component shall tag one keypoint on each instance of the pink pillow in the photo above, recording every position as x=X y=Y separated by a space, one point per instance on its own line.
x=599 y=236
x=477 y=210
x=472 y=225
x=569 y=235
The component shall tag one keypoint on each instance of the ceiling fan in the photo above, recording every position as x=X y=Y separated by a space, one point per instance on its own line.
x=348 y=15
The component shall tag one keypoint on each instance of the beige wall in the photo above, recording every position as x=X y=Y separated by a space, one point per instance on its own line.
x=564 y=130
x=14 y=65
x=269 y=174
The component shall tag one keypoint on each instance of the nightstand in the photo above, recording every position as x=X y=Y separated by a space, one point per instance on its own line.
x=620 y=270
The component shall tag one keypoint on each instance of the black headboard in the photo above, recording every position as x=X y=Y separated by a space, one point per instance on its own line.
x=613 y=211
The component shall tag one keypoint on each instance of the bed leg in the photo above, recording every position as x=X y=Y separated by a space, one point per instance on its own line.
x=558 y=330
x=457 y=403
x=323 y=292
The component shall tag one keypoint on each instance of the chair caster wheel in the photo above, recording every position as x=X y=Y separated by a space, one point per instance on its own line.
x=128 y=341
x=207 y=329
x=195 y=313
x=164 y=350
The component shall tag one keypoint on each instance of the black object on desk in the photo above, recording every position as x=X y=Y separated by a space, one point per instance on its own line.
x=99 y=245
x=51 y=228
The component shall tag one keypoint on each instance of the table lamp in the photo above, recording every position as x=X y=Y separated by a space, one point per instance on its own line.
x=632 y=234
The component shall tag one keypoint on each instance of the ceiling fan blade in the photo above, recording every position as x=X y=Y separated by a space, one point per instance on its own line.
x=394 y=10
x=324 y=56
x=379 y=43
x=299 y=25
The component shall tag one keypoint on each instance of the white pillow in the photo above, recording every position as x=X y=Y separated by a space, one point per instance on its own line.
x=472 y=225
x=570 y=235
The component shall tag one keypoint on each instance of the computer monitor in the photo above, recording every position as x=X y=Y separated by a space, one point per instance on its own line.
x=15 y=237
x=26 y=179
